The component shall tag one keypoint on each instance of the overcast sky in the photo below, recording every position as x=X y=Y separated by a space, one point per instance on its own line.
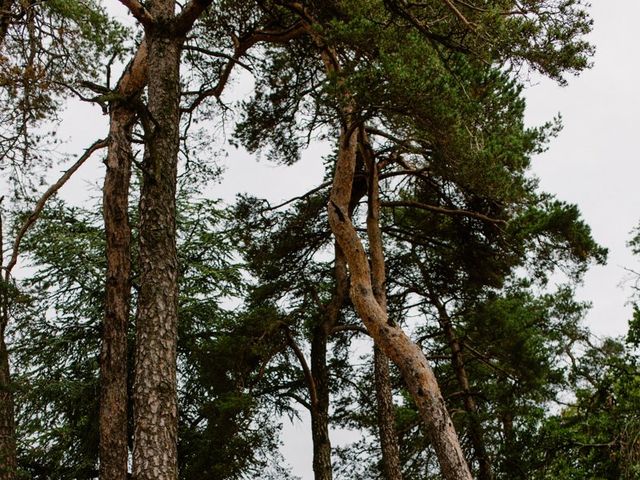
x=593 y=163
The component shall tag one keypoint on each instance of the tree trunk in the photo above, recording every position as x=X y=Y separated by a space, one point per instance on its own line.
x=8 y=460
x=7 y=420
x=113 y=355
x=476 y=433
x=113 y=452
x=155 y=389
x=384 y=396
x=390 y=338
x=392 y=467
x=322 y=467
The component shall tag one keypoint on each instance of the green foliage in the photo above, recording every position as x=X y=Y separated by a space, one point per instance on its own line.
x=48 y=48
x=225 y=430
x=597 y=436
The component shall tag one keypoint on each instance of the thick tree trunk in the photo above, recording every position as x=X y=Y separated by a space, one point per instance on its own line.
x=155 y=389
x=391 y=339
x=113 y=356
x=113 y=452
x=476 y=433
x=7 y=419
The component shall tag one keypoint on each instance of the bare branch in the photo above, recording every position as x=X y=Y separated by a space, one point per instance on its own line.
x=241 y=47
x=305 y=368
x=43 y=200
x=300 y=197
x=445 y=211
x=349 y=328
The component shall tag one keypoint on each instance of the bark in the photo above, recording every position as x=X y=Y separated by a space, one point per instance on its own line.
x=113 y=356
x=392 y=467
x=155 y=389
x=322 y=466
x=384 y=396
x=113 y=451
x=390 y=338
x=7 y=419
x=476 y=433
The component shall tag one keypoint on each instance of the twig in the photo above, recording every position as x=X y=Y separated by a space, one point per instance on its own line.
x=299 y=197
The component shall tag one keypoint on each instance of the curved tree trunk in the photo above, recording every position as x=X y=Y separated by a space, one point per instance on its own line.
x=389 y=337
x=392 y=468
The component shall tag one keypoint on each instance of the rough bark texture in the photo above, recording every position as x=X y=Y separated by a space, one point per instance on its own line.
x=113 y=356
x=392 y=469
x=391 y=339
x=476 y=433
x=113 y=452
x=7 y=419
x=155 y=389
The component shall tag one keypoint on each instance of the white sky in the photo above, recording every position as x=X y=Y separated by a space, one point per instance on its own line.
x=593 y=163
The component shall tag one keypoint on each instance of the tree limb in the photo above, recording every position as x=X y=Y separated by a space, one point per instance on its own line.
x=305 y=368
x=139 y=12
x=446 y=211
x=189 y=14
x=43 y=200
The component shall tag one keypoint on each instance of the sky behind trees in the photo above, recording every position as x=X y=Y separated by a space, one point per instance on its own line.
x=593 y=163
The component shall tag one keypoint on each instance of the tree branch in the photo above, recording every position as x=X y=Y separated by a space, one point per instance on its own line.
x=349 y=328
x=242 y=46
x=139 y=12
x=189 y=14
x=446 y=211
x=43 y=200
x=305 y=368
